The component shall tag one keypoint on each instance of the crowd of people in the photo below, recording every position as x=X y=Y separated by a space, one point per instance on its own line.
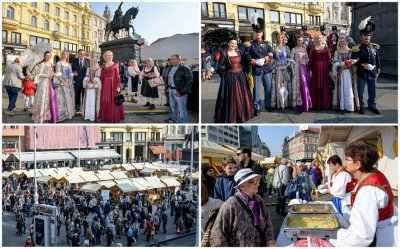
x=319 y=73
x=87 y=219
x=55 y=93
x=234 y=213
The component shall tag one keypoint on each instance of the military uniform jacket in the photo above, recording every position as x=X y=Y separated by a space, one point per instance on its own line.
x=366 y=54
x=259 y=50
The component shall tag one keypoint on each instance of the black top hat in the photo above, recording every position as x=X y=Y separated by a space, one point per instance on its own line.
x=259 y=27
x=322 y=28
x=283 y=29
x=334 y=28
x=304 y=28
x=366 y=26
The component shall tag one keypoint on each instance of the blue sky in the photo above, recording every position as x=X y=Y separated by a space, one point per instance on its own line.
x=273 y=136
x=157 y=20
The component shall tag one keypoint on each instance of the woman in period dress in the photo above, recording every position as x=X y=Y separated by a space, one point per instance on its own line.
x=300 y=97
x=150 y=71
x=133 y=80
x=110 y=87
x=345 y=97
x=45 y=104
x=320 y=64
x=234 y=101
x=64 y=88
x=280 y=89
x=92 y=85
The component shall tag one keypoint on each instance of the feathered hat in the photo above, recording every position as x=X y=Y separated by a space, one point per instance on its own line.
x=258 y=24
x=283 y=29
x=304 y=28
x=366 y=26
x=322 y=28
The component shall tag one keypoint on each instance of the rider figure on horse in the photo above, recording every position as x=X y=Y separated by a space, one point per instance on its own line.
x=118 y=16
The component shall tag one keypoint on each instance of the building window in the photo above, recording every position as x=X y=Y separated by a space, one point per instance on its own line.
x=34 y=4
x=46 y=25
x=66 y=30
x=103 y=137
x=75 y=18
x=153 y=136
x=5 y=36
x=246 y=13
x=94 y=34
x=219 y=10
x=57 y=44
x=87 y=35
x=58 y=11
x=33 y=21
x=128 y=137
x=10 y=144
x=116 y=136
x=10 y=13
x=204 y=9
x=140 y=136
x=95 y=23
x=16 y=38
x=293 y=18
x=311 y=20
x=66 y=15
x=35 y=40
x=317 y=20
x=274 y=16
x=57 y=27
x=87 y=50
x=70 y=46
x=47 y=7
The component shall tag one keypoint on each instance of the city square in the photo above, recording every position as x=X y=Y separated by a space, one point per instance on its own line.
x=139 y=183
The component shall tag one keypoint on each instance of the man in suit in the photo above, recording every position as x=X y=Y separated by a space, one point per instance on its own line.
x=79 y=67
x=13 y=83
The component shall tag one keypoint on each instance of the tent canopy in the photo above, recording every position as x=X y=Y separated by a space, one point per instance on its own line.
x=91 y=187
x=170 y=181
x=127 y=166
x=148 y=171
x=158 y=150
x=89 y=176
x=127 y=187
x=181 y=44
x=155 y=182
x=40 y=156
x=211 y=149
x=107 y=184
x=119 y=175
x=141 y=183
x=74 y=178
x=138 y=166
x=95 y=154
x=104 y=175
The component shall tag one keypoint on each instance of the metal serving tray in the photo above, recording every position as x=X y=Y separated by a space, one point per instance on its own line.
x=312 y=208
x=303 y=229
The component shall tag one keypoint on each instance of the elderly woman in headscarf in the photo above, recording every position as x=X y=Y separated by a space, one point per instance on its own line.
x=243 y=220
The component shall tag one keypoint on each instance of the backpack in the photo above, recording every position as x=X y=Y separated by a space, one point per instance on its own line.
x=205 y=241
x=109 y=233
x=130 y=232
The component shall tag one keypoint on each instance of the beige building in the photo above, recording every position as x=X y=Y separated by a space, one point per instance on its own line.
x=65 y=25
x=136 y=143
x=337 y=14
x=237 y=16
x=302 y=146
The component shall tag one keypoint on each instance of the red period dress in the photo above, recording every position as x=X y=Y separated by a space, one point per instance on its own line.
x=110 y=112
x=320 y=64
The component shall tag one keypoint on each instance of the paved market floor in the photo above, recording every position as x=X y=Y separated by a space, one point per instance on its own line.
x=170 y=238
x=134 y=112
x=386 y=99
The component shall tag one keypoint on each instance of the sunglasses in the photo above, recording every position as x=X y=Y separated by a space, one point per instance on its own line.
x=255 y=181
x=238 y=154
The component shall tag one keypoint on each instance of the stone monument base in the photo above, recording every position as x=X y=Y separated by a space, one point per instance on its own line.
x=123 y=49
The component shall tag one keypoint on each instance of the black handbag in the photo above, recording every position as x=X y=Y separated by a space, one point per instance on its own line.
x=119 y=99
x=331 y=84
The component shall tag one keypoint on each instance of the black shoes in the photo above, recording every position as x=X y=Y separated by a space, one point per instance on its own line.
x=147 y=104
x=269 y=109
x=152 y=107
x=257 y=112
x=374 y=110
x=362 y=110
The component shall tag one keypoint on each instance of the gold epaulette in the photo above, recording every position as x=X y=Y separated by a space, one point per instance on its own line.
x=355 y=49
x=376 y=46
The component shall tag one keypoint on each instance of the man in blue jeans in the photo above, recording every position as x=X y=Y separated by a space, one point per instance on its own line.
x=368 y=66
x=179 y=80
x=13 y=83
x=260 y=53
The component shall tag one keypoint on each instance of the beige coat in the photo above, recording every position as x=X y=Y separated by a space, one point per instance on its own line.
x=14 y=76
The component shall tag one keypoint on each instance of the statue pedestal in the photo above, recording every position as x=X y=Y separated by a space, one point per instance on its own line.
x=123 y=49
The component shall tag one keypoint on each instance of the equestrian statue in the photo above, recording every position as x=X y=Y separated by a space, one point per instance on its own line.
x=121 y=21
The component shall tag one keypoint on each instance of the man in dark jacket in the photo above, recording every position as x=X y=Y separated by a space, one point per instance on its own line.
x=79 y=67
x=179 y=81
x=244 y=156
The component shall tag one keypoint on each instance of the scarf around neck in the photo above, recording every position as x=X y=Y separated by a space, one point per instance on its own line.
x=255 y=206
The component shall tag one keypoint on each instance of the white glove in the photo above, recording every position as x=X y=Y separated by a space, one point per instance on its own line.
x=260 y=62
x=322 y=186
x=370 y=67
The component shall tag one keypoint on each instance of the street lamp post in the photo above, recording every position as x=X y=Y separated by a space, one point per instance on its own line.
x=191 y=167
x=35 y=196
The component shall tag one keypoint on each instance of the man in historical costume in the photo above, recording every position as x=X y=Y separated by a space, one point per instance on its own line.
x=322 y=29
x=333 y=40
x=118 y=16
x=373 y=218
x=368 y=65
x=260 y=61
x=340 y=185
x=308 y=42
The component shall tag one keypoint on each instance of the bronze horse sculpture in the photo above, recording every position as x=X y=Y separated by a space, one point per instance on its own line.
x=126 y=19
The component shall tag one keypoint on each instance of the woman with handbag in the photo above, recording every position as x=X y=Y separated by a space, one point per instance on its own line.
x=234 y=101
x=149 y=72
x=243 y=220
x=92 y=85
x=300 y=183
x=133 y=80
x=110 y=111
